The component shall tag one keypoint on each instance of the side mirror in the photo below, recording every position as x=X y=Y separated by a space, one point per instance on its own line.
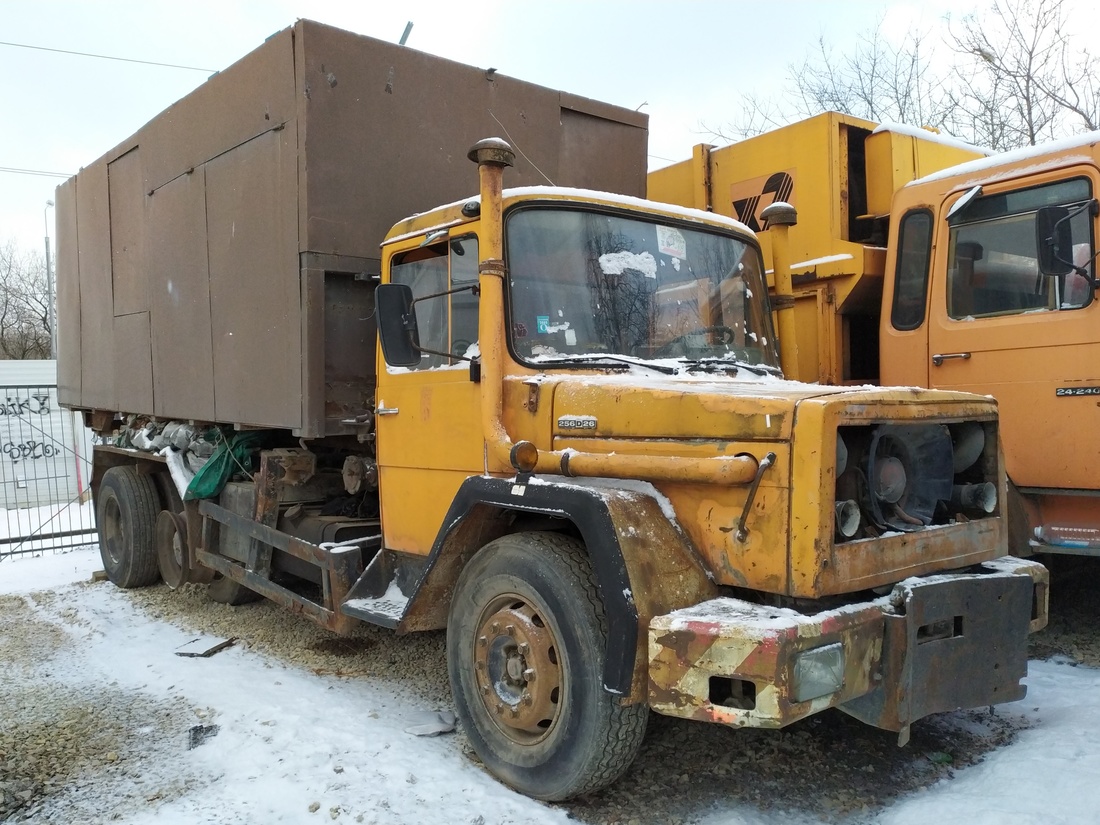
x=1054 y=240
x=397 y=325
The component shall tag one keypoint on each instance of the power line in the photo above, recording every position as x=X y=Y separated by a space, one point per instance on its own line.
x=109 y=57
x=35 y=172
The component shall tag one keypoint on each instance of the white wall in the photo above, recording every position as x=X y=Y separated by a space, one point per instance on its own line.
x=44 y=450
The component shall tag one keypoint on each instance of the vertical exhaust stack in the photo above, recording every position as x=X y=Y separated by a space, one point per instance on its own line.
x=492 y=155
x=779 y=217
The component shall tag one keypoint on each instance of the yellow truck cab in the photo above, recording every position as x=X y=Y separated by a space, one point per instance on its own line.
x=976 y=308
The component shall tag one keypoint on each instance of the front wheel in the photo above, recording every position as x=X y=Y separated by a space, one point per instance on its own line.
x=526 y=641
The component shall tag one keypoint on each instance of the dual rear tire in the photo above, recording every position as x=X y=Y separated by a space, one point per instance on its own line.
x=140 y=543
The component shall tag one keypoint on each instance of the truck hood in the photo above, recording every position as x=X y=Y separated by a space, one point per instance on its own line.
x=634 y=405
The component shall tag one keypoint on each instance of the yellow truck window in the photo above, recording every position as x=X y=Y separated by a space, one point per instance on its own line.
x=446 y=322
x=992 y=259
x=914 y=258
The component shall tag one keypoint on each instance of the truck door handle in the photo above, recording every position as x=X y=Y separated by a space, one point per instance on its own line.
x=938 y=359
x=380 y=410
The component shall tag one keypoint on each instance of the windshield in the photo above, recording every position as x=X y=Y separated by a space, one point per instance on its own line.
x=588 y=285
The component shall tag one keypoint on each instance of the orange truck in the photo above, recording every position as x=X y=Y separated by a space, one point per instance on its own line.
x=917 y=260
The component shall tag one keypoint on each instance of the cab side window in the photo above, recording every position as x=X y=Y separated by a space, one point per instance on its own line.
x=992 y=259
x=447 y=323
x=911 y=279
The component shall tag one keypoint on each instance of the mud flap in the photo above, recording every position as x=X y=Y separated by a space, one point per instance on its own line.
x=957 y=643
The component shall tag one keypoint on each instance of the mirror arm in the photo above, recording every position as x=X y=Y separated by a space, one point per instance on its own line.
x=444 y=354
x=474 y=288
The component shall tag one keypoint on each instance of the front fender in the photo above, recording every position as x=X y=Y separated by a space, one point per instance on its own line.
x=644 y=565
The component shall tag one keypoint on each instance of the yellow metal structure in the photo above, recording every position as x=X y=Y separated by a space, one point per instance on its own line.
x=839 y=172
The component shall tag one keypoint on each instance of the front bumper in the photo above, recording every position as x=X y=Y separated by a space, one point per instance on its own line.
x=934 y=644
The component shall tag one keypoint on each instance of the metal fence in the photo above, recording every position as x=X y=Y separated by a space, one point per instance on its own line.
x=45 y=470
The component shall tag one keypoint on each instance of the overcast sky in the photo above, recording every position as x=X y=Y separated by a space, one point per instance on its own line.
x=683 y=62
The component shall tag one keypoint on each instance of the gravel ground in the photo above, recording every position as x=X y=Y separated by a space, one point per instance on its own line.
x=60 y=739
x=829 y=768
x=1074 y=629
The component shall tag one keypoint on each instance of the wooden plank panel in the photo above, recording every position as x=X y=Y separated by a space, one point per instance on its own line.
x=97 y=343
x=179 y=294
x=255 y=294
x=133 y=364
x=126 y=193
x=68 y=295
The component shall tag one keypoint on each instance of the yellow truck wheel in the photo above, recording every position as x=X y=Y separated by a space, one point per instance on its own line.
x=126 y=514
x=526 y=641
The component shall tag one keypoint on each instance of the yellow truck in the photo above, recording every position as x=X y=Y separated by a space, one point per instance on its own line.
x=920 y=261
x=546 y=418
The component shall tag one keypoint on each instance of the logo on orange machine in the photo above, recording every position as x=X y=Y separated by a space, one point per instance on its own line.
x=753 y=196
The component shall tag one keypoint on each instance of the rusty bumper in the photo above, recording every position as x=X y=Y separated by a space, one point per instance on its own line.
x=933 y=644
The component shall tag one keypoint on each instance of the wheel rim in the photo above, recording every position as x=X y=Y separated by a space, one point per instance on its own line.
x=170 y=536
x=113 y=534
x=518 y=669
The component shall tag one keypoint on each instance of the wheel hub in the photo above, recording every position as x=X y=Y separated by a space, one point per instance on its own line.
x=113 y=536
x=517 y=669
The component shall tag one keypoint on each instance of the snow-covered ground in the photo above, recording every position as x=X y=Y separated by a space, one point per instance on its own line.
x=293 y=746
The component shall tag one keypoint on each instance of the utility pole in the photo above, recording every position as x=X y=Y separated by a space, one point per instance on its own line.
x=49 y=285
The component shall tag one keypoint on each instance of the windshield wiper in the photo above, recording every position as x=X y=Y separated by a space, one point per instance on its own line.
x=723 y=364
x=594 y=360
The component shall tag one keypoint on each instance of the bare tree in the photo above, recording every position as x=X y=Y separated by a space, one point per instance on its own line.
x=24 y=312
x=878 y=80
x=1014 y=75
x=1011 y=63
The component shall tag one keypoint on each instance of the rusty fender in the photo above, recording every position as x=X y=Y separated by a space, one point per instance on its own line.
x=644 y=564
x=933 y=644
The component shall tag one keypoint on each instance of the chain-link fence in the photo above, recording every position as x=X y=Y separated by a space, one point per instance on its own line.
x=45 y=469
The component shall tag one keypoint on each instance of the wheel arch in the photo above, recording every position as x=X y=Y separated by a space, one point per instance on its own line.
x=104 y=458
x=644 y=564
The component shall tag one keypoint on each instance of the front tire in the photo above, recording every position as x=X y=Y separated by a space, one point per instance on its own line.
x=526 y=642
x=126 y=514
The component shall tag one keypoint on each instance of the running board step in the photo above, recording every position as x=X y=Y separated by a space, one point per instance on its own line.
x=381 y=595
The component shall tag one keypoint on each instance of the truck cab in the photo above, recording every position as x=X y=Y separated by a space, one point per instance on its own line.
x=972 y=308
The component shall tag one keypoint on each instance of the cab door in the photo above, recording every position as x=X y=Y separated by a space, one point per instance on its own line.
x=999 y=327
x=428 y=422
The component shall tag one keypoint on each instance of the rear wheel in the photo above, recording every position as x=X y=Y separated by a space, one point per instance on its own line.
x=171 y=544
x=526 y=641
x=126 y=512
x=227 y=591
